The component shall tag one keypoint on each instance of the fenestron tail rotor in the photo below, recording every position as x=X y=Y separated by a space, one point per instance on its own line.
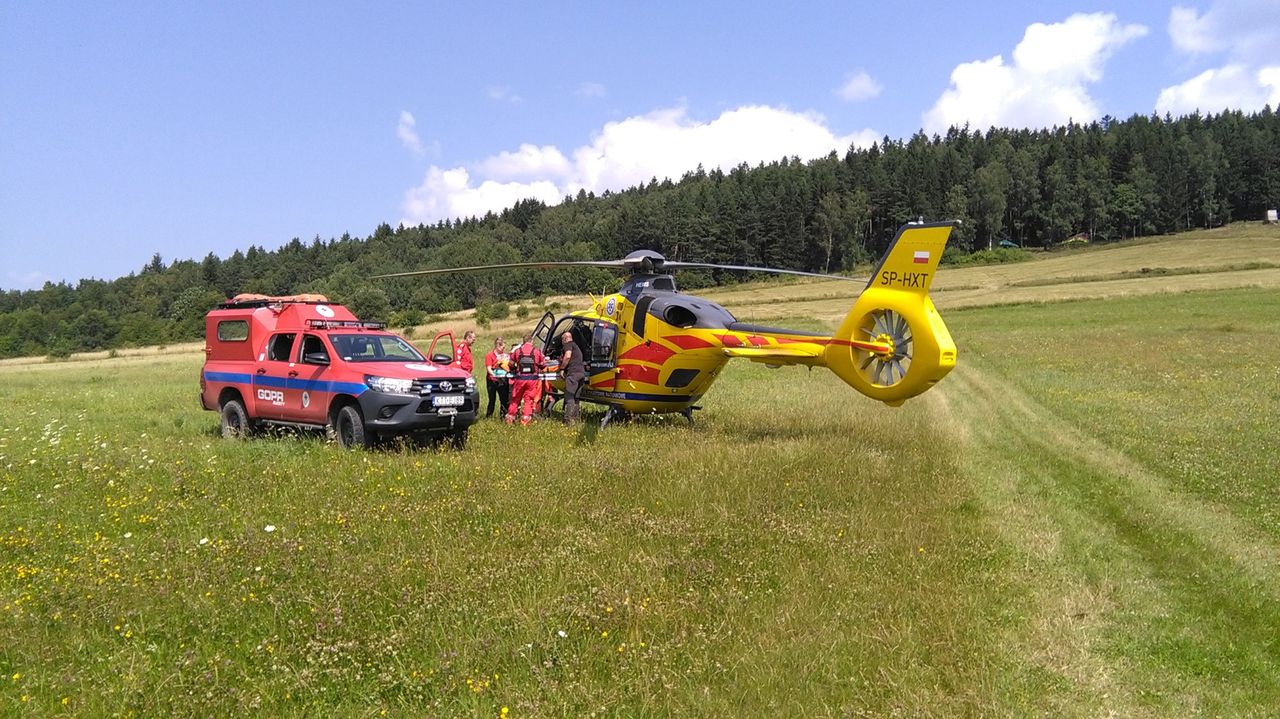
x=886 y=356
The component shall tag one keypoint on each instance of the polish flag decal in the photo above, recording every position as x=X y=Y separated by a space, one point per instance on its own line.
x=921 y=257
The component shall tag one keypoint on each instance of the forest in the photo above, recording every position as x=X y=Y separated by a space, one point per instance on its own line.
x=1106 y=180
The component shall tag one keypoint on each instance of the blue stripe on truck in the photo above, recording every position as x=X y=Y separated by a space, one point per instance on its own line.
x=264 y=380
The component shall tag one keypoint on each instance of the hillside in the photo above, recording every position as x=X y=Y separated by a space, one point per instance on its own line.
x=1112 y=180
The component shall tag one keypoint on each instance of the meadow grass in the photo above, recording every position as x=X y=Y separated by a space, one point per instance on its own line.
x=1079 y=521
x=770 y=560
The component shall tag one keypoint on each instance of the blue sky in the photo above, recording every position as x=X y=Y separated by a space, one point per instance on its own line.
x=188 y=128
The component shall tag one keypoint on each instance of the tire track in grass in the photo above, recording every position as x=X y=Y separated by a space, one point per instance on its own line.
x=1150 y=601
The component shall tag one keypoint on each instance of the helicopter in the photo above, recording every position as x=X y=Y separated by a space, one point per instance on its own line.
x=651 y=349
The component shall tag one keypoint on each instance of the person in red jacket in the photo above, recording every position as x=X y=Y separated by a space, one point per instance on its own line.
x=463 y=353
x=527 y=363
x=497 y=365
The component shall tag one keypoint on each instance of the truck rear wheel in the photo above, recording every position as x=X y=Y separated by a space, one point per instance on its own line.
x=235 y=420
x=348 y=428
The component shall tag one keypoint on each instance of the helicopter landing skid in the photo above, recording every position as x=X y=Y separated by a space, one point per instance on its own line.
x=614 y=413
x=621 y=415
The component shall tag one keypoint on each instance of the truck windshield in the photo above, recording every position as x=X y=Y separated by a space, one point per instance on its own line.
x=374 y=348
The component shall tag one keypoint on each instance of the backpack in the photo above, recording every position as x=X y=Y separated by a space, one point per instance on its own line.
x=525 y=364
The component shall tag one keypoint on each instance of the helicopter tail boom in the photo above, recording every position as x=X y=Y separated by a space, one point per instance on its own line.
x=893 y=344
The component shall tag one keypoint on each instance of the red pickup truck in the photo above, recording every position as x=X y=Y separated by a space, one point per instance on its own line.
x=305 y=362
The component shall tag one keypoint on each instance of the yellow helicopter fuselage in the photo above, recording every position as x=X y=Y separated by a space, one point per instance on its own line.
x=651 y=349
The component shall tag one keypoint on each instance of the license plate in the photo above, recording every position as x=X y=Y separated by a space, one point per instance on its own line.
x=448 y=401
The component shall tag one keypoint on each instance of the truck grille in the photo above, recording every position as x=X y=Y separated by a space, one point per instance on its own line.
x=431 y=385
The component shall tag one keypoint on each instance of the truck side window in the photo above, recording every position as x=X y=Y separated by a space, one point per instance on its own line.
x=313 y=350
x=233 y=330
x=280 y=349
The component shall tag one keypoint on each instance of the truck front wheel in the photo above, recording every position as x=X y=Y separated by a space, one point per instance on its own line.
x=348 y=428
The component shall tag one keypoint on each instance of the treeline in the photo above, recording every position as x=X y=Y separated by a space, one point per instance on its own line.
x=1108 y=179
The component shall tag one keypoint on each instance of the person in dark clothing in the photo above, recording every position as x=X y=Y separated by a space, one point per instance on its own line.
x=497 y=369
x=574 y=371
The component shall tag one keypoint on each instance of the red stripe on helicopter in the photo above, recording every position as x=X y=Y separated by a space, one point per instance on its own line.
x=648 y=352
x=688 y=342
x=757 y=340
x=730 y=341
x=638 y=373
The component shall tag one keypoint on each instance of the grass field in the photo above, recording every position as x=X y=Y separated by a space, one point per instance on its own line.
x=1080 y=521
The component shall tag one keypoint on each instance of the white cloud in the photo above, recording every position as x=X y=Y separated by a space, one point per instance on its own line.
x=859 y=87
x=1247 y=32
x=449 y=193
x=591 y=89
x=1046 y=83
x=408 y=133
x=1190 y=32
x=663 y=143
x=1269 y=77
x=528 y=162
x=503 y=93
x=1230 y=87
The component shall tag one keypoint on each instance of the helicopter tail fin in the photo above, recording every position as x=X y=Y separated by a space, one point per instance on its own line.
x=893 y=344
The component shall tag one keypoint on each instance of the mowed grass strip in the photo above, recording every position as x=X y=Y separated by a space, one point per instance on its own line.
x=799 y=552
x=1130 y=444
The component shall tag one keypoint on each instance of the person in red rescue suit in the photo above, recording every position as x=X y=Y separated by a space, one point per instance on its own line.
x=527 y=363
x=463 y=353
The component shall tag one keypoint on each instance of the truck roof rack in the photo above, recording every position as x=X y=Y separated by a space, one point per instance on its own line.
x=345 y=324
x=247 y=300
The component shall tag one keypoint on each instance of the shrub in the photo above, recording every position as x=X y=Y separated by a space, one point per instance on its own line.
x=986 y=257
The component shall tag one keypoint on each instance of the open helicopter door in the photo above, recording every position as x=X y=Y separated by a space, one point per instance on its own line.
x=542 y=332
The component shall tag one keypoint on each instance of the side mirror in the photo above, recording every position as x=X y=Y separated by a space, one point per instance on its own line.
x=316 y=358
x=439 y=358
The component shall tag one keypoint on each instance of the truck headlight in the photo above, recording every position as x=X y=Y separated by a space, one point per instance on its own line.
x=471 y=383
x=389 y=384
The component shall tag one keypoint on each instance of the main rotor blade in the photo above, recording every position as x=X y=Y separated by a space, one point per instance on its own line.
x=611 y=264
x=673 y=265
